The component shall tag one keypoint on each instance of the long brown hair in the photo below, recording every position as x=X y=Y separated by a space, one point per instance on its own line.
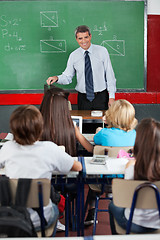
x=58 y=125
x=147 y=150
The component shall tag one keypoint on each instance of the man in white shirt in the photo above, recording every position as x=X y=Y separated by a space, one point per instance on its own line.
x=104 y=81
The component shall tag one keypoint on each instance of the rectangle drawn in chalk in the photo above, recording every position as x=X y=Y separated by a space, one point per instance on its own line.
x=49 y=19
x=52 y=46
x=115 y=47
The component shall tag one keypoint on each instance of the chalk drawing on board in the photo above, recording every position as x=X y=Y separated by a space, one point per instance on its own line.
x=100 y=29
x=115 y=47
x=49 y=19
x=52 y=46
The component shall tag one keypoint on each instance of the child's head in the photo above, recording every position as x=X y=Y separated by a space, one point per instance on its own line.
x=55 y=99
x=26 y=124
x=121 y=115
x=147 y=150
x=55 y=111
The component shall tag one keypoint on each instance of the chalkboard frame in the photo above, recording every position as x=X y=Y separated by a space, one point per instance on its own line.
x=72 y=90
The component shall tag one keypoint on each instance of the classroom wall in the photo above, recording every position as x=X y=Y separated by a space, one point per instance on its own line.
x=153 y=64
x=153 y=46
x=153 y=7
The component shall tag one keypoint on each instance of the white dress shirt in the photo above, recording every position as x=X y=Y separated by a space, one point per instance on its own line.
x=103 y=75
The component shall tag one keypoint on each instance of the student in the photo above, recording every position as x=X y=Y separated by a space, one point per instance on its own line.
x=120 y=132
x=58 y=124
x=103 y=76
x=146 y=166
x=27 y=157
x=59 y=127
x=120 y=120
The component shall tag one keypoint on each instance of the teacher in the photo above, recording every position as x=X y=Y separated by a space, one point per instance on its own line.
x=96 y=83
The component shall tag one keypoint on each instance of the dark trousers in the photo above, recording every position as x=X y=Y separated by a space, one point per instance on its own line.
x=100 y=101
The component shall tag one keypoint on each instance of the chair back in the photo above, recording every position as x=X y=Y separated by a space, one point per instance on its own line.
x=135 y=194
x=123 y=191
x=112 y=151
x=33 y=196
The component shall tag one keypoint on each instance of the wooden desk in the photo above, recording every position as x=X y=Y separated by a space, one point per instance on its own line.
x=86 y=115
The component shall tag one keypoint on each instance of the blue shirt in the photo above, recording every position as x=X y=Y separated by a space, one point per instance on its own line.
x=103 y=75
x=115 y=137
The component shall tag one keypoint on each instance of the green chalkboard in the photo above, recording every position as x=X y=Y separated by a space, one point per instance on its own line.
x=38 y=36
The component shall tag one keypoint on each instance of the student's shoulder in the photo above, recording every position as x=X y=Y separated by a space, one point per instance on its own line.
x=107 y=130
x=132 y=132
x=8 y=146
x=46 y=145
x=103 y=131
x=8 y=143
x=51 y=147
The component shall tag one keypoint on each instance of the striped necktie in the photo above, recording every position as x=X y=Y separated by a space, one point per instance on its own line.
x=88 y=78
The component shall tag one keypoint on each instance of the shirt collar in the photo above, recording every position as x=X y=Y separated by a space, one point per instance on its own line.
x=89 y=50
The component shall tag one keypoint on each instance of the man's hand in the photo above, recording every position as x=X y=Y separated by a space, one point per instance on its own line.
x=111 y=100
x=51 y=80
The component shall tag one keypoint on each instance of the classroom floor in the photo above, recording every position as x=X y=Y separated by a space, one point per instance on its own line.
x=102 y=228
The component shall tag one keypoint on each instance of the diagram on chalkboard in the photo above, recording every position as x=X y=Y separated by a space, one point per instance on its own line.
x=52 y=46
x=49 y=19
x=115 y=47
x=100 y=29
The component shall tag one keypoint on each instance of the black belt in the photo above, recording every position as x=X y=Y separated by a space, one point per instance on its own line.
x=94 y=92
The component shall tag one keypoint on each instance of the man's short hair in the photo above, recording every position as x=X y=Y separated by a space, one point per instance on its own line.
x=82 y=29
